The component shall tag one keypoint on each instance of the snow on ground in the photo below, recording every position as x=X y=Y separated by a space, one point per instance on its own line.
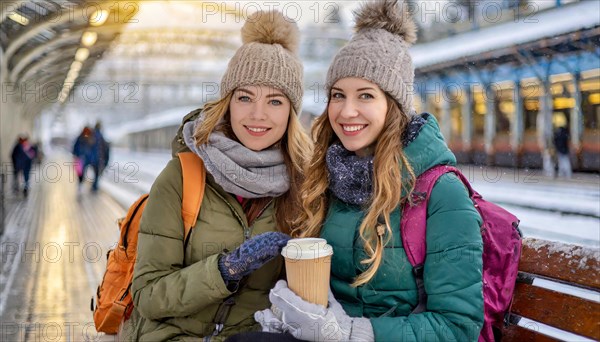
x=555 y=226
x=570 y=200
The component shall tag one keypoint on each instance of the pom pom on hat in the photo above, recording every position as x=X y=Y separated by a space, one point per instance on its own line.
x=271 y=28
x=379 y=51
x=387 y=15
x=268 y=57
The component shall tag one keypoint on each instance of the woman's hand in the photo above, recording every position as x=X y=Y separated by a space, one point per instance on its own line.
x=251 y=255
x=311 y=322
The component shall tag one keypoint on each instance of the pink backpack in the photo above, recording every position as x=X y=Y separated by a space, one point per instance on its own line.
x=501 y=247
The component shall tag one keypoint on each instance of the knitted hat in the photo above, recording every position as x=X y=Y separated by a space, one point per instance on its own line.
x=268 y=57
x=378 y=51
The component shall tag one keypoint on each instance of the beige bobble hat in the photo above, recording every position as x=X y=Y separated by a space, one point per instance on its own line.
x=378 y=51
x=268 y=57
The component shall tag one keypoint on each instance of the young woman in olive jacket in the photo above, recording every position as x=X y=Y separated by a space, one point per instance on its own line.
x=252 y=146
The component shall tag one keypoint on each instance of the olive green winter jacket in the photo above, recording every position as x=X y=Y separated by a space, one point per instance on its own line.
x=177 y=290
x=452 y=270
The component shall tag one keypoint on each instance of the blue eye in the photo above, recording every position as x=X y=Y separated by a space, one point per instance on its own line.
x=276 y=102
x=244 y=98
x=337 y=96
x=366 y=96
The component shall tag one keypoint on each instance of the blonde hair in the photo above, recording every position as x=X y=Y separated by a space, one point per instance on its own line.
x=388 y=164
x=295 y=145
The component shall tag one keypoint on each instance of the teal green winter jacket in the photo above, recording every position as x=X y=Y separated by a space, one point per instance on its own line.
x=452 y=270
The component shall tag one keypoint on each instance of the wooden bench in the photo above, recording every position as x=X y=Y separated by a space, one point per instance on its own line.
x=545 y=265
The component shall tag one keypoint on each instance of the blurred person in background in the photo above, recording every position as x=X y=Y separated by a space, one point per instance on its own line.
x=561 y=145
x=22 y=157
x=209 y=284
x=103 y=147
x=87 y=153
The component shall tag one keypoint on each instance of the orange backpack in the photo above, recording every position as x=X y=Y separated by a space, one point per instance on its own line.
x=114 y=301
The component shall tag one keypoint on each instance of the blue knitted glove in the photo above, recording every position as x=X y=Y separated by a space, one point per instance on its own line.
x=251 y=255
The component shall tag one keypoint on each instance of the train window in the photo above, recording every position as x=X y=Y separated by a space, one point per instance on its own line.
x=590 y=103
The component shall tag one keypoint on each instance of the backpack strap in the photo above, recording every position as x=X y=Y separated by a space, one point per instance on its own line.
x=194 y=180
x=413 y=226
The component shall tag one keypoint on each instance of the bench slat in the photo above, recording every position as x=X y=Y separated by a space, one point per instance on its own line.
x=520 y=334
x=563 y=311
x=569 y=263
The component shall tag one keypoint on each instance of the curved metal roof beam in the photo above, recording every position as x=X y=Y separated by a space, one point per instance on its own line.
x=40 y=50
x=58 y=73
x=68 y=40
x=56 y=60
x=55 y=20
x=39 y=105
x=59 y=78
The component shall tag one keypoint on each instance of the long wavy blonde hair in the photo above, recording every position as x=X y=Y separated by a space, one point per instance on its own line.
x=388 y=164
x=295 y=145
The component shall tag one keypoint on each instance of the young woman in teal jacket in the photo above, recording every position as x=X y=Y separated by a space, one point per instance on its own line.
x=369 y=148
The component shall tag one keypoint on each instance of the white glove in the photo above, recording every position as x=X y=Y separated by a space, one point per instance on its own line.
x=312 y=322
x=270 y=321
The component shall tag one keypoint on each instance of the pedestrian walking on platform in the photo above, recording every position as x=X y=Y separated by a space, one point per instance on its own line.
x=87 y=153
x=370 y=146
x=561 y=144
x=209 y=284
x=103 y=147
x=22 y=157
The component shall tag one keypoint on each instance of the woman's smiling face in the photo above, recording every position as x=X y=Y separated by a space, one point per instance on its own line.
x=357 y=110
x=259 y=116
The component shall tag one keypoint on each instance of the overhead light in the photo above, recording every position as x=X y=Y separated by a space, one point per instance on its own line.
x=99 y=18
x=76 y=65
x=82 y=54
x=64 y=94
x=67 y=87
x=89 y=38
x=72 y=76
x=14 y=16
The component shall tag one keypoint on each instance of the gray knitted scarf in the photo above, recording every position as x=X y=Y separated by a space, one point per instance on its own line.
x=237 y=169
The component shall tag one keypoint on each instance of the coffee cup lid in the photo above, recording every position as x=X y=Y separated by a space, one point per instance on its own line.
x=306 y=248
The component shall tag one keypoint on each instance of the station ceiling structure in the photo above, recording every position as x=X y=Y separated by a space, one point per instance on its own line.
x=52 y=45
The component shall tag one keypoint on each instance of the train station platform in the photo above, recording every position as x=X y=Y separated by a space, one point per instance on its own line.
x=53 y=256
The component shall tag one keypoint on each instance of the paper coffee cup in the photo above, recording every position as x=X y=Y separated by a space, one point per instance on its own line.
x=307 y=264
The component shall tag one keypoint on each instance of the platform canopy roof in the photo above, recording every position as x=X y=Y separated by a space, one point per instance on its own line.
x=49 y=46
x=570 y=27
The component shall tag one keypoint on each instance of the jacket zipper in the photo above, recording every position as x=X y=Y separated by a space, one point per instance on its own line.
x=232 y=210
x=257 y=216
